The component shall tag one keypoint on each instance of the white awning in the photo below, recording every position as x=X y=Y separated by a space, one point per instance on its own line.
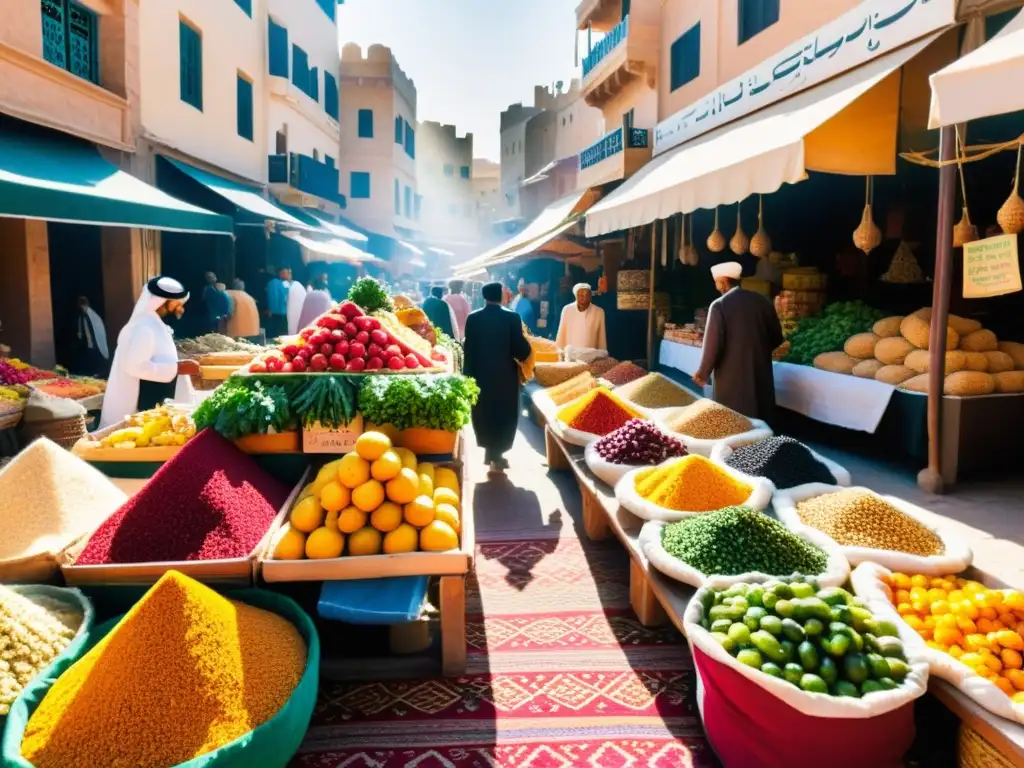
x=440 y=252
x=757 y=154
x=551 y=217
x=332 y=251
x=536 y=245
x=411 y=247
x=338 y=230
x=985 y=82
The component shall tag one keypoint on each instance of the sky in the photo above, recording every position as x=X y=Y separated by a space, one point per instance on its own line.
x=469 y=59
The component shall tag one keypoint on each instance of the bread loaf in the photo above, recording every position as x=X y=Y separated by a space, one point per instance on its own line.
x=919 y=361
x=866 y=369
x=980 y=341
x=1009 y=381
x=887 y=327
x=894 y=350
x=1015 y=350
x=969 y=383
x=894 y=374
x=861 y=346
x=999 y=362
x=836 y=362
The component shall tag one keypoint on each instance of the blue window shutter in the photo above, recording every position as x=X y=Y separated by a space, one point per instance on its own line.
x=365 y=123
x=359 y=183
x=408 y=203
x=410 y=141
x=245 y=5
x=398 y=197
x=449 y=170
x=464 y=172
x=755 y=16
x=314 y=84
x=328 y=161
x=245 y=117
x=277 y=38
x=300 y=69
x=685 y=57
x=398 y=131
x=190 y=48
x=330 y=95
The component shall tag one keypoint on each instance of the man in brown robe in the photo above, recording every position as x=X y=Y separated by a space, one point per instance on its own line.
x=742 y=332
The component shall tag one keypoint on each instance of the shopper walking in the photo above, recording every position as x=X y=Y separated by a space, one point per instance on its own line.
x=277 y=303
x=494 y=346
x=439 y=312
x=742 y=332
x=460 y=306
x=245 y=316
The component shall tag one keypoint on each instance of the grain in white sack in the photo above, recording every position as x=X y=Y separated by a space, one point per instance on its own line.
x=50 y=497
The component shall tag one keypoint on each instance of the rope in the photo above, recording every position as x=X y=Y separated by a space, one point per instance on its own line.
x=965 y=154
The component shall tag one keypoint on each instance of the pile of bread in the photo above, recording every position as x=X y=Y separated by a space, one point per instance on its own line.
x=895 y=352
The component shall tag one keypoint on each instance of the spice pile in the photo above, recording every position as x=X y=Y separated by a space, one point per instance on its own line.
x=638 y=442
x=50 y=498
x=739 y=540
x=821 y=641
x=184 y=673
x=601 y=366
x=707 y=420
x=598 y=412
x=783 y=460
x=72 y=389
x=209 y=502
x=655 y=391
x=691 y=484
x=575 y=387
x=857 y=518
x=553 y=374
x=981 y=627
x=623 y=373
x=33 y=632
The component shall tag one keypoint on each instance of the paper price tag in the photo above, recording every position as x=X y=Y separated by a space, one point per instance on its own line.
x=991 y=267
x=319 y=439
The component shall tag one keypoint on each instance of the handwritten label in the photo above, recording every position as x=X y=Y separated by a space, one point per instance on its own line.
x=319 y=439
x=991 y=267
x=872 y=29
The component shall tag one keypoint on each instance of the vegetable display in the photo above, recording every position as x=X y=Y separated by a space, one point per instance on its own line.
x=738 y=540
x=783 y=460
x=821 y=641
x=980 y=627
x=829 y=331
x=183 y=673
x=370 y=295
x=375 y=499
x=639 y=442
x=691 y=484
x=452 y=347
x=433 y=401
x=239 y=407
x=330 y=400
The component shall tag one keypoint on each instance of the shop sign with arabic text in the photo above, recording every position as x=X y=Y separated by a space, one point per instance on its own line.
x=872 y=29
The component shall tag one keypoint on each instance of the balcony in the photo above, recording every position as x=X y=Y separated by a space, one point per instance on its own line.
x=601 y=15
x=627 y=54
x=615 y=157
x=301 y=180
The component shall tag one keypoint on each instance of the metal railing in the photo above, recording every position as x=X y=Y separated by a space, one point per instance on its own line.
x=608 y=43
x=611 y=145
x=305 y=174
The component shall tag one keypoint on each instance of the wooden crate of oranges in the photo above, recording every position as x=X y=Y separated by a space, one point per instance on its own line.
x=376 y=512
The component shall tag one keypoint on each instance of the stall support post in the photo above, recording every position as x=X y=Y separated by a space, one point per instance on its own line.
x=650 y=300
x=930 y=479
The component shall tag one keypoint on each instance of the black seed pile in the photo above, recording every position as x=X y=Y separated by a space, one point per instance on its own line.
x=783 y=460
x=639 y=442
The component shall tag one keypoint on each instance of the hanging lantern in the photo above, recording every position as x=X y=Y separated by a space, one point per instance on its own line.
x=867 y=236
x=760 y=243
x=716 y=240
x=1011 y=214
x=963 y=231
x=740 y=243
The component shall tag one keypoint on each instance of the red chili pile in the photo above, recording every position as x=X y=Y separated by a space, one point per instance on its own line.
x=600 y=416
x=623 y=373
x=209 y=502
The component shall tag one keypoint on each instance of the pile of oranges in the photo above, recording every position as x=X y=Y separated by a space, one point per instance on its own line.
x=981 y=627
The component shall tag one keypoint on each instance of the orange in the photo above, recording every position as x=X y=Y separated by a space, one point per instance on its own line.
x=1004 y=685
x=405 y=538
x=438 y=537
x=387 y=517
x=419 y=511
x=365 y=541
x=404 y=487
x=1011 y=659
x=387 y=466
x=372 y=445
x=334 y=497
x=353 y=470
x=351 y=520
x=368 y=496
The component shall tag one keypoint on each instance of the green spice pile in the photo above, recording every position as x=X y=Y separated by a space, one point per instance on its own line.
x=859 y=518
x=655 y=391
x=739 y=540
x=783 y=460
x=33 y=632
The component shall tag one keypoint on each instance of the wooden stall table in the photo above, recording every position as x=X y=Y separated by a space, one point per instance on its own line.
x=1005 y=736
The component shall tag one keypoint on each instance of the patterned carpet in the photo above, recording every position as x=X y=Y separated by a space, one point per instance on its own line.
x=560 y=672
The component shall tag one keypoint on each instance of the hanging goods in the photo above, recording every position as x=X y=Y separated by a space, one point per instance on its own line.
x=1011 y=215
x=740 y=243
x=963 y=231
x=760 y=243
x=716 y=240
x=867 y=236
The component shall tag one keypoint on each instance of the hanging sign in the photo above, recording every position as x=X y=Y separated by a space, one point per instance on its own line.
x=872 y=29
x=991 y=267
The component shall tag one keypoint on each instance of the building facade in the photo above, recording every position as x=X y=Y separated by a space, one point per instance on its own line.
x=487 y=198
x=444 y=175
x=514 y=121
x=377 y=159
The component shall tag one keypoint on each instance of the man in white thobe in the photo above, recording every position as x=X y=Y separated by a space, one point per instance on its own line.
x=582 y=324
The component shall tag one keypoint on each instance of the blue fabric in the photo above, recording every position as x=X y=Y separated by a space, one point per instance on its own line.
x=277 y=297
x=217 y=303
x=524 y=308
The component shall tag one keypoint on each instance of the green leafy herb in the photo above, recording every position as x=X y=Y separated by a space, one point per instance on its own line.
x=453 y=348
x=829 y=331
x=239 y=408
x=370 y=295
x=436 y=402
x=330 y=400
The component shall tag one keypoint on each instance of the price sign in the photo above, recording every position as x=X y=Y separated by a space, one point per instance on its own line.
x=319 y=439
x=991 y=267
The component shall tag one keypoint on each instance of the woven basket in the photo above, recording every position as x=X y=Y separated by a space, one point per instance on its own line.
x=8 y=420
x=633 y=281
x=974 y=751
x=64 y=432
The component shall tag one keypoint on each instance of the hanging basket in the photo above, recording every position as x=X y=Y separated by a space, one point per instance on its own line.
x=716 y=240
x=1011 y=215
x=761 y=242
x=740 y=243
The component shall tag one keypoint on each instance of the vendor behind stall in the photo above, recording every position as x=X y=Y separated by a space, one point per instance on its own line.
x=146 y=362
x=582 y=324
x=742 y=332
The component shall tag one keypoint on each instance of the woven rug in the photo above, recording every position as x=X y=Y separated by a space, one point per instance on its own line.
x=560 y=672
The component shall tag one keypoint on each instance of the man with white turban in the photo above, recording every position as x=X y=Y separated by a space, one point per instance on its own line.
x=146 y=361
x=582 y=324
x=741 y=333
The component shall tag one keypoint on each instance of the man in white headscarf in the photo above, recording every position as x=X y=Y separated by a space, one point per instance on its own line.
x=582 y=324
x=146 y=361
x=741 y=333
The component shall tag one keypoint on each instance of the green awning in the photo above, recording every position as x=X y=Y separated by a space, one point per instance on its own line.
x=247 y=198
x=49 y=176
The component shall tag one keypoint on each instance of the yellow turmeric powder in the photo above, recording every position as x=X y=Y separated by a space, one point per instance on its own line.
x=185 y=672
x=692 y=484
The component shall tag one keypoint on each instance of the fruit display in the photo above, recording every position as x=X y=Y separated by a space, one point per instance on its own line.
x=440 y=401
x=821 y=641
x=161 y=426
x=452 y=348
x=34 y=630
x=599 y=412
x=828 y=331
x=415 y=319
x=371 y=295
x=981 y=628
x=655 y=391
x=13 y=371
x=377 y=499
x=707 y=420
x=782 y=460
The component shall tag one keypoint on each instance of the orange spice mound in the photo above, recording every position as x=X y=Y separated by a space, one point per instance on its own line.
x=691 y=484
x=185 y=672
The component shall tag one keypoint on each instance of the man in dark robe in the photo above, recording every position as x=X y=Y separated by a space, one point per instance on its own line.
x=494 y=343
x=742 y=332
x=438 y=311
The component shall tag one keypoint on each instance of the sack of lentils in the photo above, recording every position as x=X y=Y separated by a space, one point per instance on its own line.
x=739 y=544
x=553 y=374
x=793 y=683
x=636 y=444
x=691 y=485
x=655 y=392
x=623 y=373
x=187 y=674
x=705 y=423
x=594 y=415
x=873 y=528
x=786 y=462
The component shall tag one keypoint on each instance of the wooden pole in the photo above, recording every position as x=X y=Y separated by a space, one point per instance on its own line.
x=650 y=306
x=930 y=479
